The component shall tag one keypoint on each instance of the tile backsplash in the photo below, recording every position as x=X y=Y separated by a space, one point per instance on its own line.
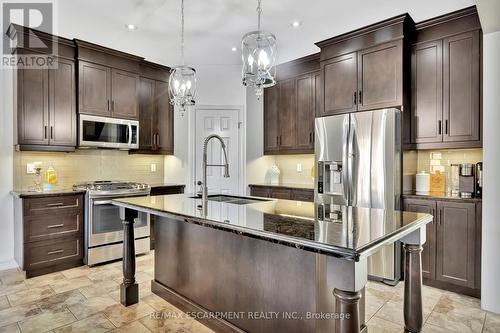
x=288 y=167
x=441 y=160
x=87 y=165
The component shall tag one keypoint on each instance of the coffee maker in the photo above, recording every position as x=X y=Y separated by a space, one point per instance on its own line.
x=467 y=180
x=479 y=180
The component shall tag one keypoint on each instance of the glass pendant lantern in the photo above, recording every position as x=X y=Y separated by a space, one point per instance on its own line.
x=258 y=54
x=182 y=81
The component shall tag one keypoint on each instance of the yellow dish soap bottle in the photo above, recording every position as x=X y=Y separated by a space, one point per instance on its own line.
x=50 y=179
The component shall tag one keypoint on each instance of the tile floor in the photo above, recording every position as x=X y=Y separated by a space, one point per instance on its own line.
x=87 y=300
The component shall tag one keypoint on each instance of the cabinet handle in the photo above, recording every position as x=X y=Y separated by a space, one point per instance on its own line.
x=280 y=140
x=354 y=98
x=55 y=226
x=277 y=140
x=108 y=105
x=55 y=204
x=157 y=139
x=56 y=251
x=360 y=99
x=310 y=137
x=52 y=132
x=45 y=132
x=439 y=127
x=446 y=126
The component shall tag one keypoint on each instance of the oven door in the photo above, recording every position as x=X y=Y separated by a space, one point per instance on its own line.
x=108 y=132
x=105 y=225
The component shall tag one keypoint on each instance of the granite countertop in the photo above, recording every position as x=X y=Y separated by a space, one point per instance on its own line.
x=347 y=232
x=438 y=195
x=286 y=185
x=55 y=192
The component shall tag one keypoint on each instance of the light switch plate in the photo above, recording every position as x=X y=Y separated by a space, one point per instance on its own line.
x=31 y=167
x=153 y=167
x=299 y=167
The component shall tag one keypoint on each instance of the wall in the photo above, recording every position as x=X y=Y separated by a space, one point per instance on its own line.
x=441 y=160
x=217 y=85
x=87 y=165
x=490 y=295
x=6 y=172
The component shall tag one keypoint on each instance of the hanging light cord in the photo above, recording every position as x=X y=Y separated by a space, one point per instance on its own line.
x=182 y=31
x=259 y=12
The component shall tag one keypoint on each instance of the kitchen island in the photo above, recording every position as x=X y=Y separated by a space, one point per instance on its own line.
x=271 y=265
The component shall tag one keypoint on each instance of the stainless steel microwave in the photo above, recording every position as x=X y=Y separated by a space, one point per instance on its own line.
x=107 y=132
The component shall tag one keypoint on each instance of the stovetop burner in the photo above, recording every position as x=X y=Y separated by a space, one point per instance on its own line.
x=110 y=186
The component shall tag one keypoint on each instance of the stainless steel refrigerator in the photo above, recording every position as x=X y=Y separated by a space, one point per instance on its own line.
x=358 y=161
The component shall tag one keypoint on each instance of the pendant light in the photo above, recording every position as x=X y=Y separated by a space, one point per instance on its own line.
x=182 y=81
x=258 y=54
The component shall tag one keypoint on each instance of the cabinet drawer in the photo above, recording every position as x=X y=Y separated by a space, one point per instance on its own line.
x=52 y=226
x=260 y=191
x=303 y=195
x=52 y=205
x=281 y=193
x=52 y=252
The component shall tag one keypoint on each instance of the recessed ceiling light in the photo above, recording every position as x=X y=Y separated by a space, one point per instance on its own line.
x=234 y=49
x=296 y=24
x=131 y=26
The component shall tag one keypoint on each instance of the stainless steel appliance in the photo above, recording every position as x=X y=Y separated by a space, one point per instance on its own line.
x=467 y=180
x=103 y=226
x=103 y=132
x=479 y=180
x=358 y=160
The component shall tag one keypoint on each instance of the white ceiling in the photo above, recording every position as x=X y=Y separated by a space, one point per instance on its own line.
x=214 y=26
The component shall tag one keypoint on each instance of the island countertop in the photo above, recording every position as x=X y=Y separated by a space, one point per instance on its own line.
x=349 y=232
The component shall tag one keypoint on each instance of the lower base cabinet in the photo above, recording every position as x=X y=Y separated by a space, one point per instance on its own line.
x=282 y=192
x=451 y=258
x=48 y=233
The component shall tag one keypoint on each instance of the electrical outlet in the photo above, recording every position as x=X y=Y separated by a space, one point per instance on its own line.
x=31 y=167
x=153 y=167
x=299 y=167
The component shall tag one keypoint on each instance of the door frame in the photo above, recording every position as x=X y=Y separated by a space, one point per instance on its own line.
x=240 y=109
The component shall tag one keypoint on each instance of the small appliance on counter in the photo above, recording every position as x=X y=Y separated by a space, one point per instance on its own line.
x=422 y=182
x=467 y=180
x=479 y=180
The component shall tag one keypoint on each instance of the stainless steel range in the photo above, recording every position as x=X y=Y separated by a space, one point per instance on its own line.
x=103 y=227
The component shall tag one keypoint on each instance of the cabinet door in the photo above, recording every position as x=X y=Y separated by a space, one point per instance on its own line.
x=271 y=129
x=340 y=85
x=456 y=242
x=305 y=112
x=62 y=104
x=32 y=106
x=94 y=89
x=429 y=252
x=427 y=92
x=124 y=94
x=380 y=76
x=146 y=110
x=164 y=119
x=287 y=114
x=461 y=87
x=258 y=191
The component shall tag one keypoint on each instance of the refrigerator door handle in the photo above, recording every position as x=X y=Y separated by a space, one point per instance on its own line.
x=346 y=160
x=350 y=159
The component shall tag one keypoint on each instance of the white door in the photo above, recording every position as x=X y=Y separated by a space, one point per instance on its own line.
x=223 y=122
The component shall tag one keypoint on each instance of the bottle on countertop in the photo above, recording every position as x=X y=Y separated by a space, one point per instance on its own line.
x=50 y=179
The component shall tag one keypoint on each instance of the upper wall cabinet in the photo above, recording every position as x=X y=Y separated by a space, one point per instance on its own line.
x=156 y=114
x=446 y=82
x=290 y=106
x=366 y=69
x=108 y=82
x=45 y=103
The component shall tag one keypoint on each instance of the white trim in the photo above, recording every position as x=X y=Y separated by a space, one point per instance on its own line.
x=8 y=264
x=190 y=180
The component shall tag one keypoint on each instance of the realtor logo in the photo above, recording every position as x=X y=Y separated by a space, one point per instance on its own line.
x=21 y=24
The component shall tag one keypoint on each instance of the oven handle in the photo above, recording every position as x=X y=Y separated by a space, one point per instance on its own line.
x=102 y=202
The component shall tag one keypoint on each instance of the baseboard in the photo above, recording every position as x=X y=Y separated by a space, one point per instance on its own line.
x=8 y=264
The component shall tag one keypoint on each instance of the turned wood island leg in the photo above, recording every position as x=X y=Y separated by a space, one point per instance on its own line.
x=412 y=308
x=129 y=289
x=347 y=306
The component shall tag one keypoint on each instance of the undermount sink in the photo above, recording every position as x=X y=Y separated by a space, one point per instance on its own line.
x=231 y=199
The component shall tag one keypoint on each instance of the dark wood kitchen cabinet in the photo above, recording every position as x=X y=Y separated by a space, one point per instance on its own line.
x=45 y=98
x=282 y=192
x=290 y=106
x=446 y=82
x=156 y=114
x=456 y=243
x=429 y=251
x=452 y=252
x=366 y=69
x=48 y=232
x=108 y=81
